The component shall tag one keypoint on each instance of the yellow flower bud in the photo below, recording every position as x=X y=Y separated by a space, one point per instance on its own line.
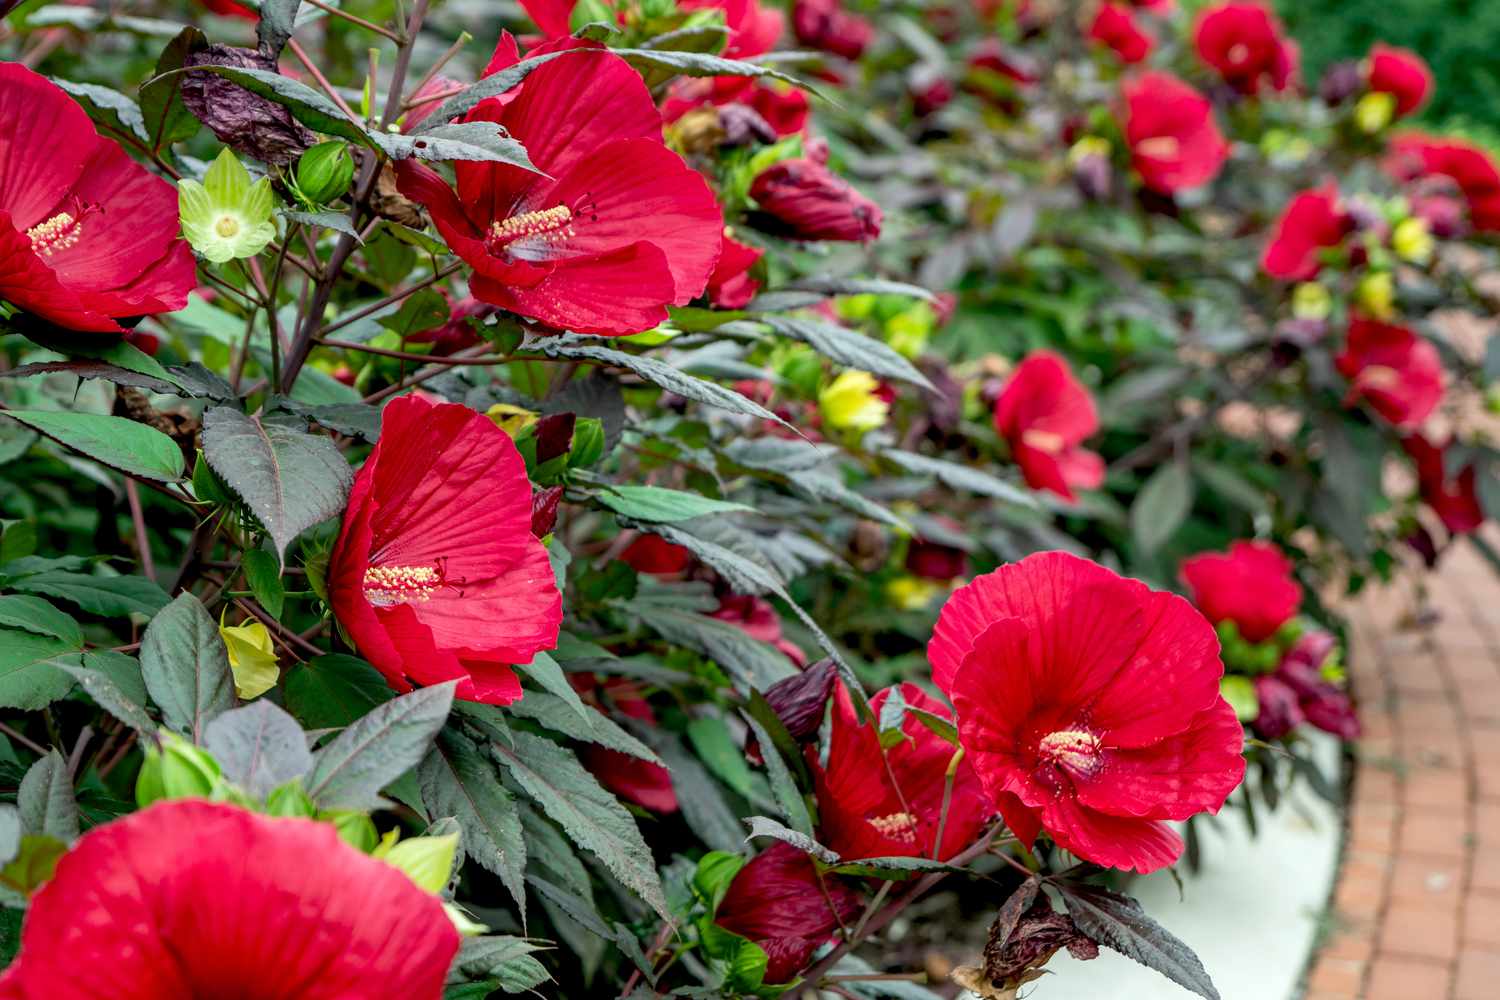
x=1374 y=112
x=1376 y=294
x=1412 y=240
x=511 y=419
x=911 y=593
x=850 y=403
x=252 y=658
x=1089 y=145
x=1311 y=300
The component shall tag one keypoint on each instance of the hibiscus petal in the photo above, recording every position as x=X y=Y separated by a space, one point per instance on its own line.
x=45 y=140
x=622 y=292
x=1139 y=845
x=1174 y=778
x=29 y=284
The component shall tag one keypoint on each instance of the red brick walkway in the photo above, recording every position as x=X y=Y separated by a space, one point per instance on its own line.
x=1416 y=913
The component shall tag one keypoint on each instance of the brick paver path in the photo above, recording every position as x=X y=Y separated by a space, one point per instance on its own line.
x=1416 y=912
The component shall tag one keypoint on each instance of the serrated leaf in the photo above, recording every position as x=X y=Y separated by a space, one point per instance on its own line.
x=764 y=826
x=750 y=663
x=507 y=959
x=350 y=771
x=186 y=668
x=351 y=419
x=661 y=374
x=337 y=221
x=783 y=787
x=473 y=141
x=594 y=727
x=290 y=480
x=861 y=286
x=332 y=691
x=459 y=781
x=892 y=867
x=544 y=670
x=259 y=747
x=848 y=347
x=108 y=107
x=114 y=441
x=656 y=504
x=961 y=477
x=46 y=802
x=107 y=596
x=704 y=64
x=1119 y=923
x=1162 y=505
x=590 y=815
x=114 y=681
x=491 y=86
x=165 y=117
x=35 y=615
x=705 y=808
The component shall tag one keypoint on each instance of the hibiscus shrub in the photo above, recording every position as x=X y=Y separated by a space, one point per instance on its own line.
x=586 y=513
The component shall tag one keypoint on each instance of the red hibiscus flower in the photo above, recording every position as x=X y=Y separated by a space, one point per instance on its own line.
x=1245 y=44
x=228 y=8
x=1115 y=27
x=617 y=227
x=1089 y=705
x=198 y=899
x=827 y=26
x=87 y=236
x=654 y=554
x=646 y=784
x=803 y=200
x=1397 y=372
x=1250 y=585
x=779 y=902
x=875 y=803
x=1454 y=499
x=1469 y=166
x=1169 y=126
x=753 y=29
x=457 y=333
x=759 y=620
x=730 y=286
x=436 y=575
x=1313 y=221
x=783 y=108
x=1044 y=414
x=1402 y=74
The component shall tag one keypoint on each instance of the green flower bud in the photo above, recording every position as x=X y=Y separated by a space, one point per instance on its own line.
x=290 y=800
x=1240 y=693
x=1289 y=633
x=427 y=861
x=227 y=217
x=176 y=770
x=325 y=171
x=355 y=828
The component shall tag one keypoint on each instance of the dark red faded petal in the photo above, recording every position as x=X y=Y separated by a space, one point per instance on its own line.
x=803 y=200
x=196 y=899
x=779 y=901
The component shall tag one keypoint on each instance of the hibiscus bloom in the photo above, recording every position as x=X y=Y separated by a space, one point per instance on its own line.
x=436 y=575
x=1454 y=499
x=779 y=902
x=1246 y=45
x=87 y=236
x=1471 y=167
x=1044 y=413
x=654 y=554
x=825 y=25
x=196 y=899
x=615 y=229
x=1251 y=585
x=1313 y=222
x=731 y=286
x=803 y=200
x=1114 y=26
x=1089 y=705
x=886 y=803
x=1402 y=74
x=1397 y=372
x=1169 y=126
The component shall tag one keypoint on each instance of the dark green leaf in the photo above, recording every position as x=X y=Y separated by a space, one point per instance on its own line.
x=186 y=667
x=167 y=119
x=110 y=108
x=290 y=480
x=35 y=615
x=1119 y=923
x=593 y=727
x=331 y=691
x=848 y=347
x=473 y=141
x=1162 y=505
x=277 y=19
x=30 y=677
x=656 y=504
x=115 y=441
x=459 y=781
x=107 y=596
x=263 y=573
x=114 y=681
x=764 y=826
x=349 y=772
x=961 y=477
x=45 y=800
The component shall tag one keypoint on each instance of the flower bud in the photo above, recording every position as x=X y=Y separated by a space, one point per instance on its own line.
x=544 y=505
x=1310 y=300
x=252 y=658
x=1376 y=294
x=355 y=829
x=801 y=199
x=1374 y=112
x=175 y=770
x=290 y=800
x=325 y=172
x=1341 y=81
x=427 y=861
x=1412 y=240
x=852 y=402
x=826 y=25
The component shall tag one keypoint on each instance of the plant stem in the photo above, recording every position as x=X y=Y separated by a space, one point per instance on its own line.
x=390 y=299
x=321 y=80
x=138 y=521
x=352 y=19
x=948 y=777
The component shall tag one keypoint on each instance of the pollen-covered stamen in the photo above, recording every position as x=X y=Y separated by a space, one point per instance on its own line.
x=1050 y=442
x=548 y=225
x=899 y=826
x=390 y=585
x=60 y=232
x=1160 y=147
x=1074 y=750
x=1377 y=377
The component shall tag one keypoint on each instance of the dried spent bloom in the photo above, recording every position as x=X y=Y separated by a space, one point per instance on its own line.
x=802 y=199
